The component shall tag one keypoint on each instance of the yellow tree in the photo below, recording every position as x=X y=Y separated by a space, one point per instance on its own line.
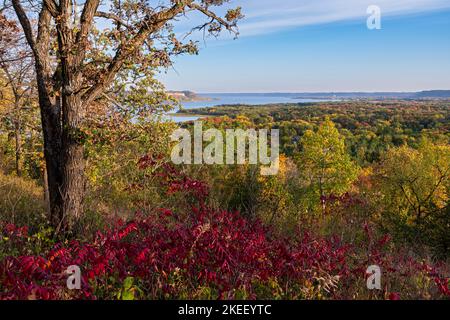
x=5 y=94
x=415 y=183
x=275 y=197
x=16 y=66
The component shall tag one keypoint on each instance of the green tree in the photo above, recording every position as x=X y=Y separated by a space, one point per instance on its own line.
x=324 y=166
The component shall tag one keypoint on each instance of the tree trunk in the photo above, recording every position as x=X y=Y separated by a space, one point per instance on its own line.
x=18 y=142
x=46 y=192
x=64 y=155
x=322 y=197
x=73 y=162
x=52 y=153
x=60 y=106
x=73 y=182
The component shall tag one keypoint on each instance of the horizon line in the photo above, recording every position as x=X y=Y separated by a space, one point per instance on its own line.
x=306 y=92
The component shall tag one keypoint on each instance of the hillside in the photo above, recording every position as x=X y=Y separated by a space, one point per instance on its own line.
x=188 y=96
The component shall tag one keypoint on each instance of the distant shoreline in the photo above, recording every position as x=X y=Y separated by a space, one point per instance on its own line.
x=181 y=114
x=356 y=95
x=188 y=96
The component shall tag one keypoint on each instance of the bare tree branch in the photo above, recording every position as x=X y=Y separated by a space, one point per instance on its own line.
x=213 y=16
x=113 y=17
x=25 y=23
x=87 y=16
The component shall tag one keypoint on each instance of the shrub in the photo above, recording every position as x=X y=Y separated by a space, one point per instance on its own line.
x=211 y=254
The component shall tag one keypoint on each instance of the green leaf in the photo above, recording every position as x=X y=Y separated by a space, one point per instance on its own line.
x=128 y=283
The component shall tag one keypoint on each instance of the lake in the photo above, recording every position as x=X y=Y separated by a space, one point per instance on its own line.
x=238 y=98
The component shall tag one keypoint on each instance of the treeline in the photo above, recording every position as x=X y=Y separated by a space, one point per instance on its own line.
x=344 y=163
x=370 y=128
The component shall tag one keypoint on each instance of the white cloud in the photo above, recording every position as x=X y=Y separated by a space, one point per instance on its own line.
x=267 y=16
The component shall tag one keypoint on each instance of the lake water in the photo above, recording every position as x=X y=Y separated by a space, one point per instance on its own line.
x=238 y=98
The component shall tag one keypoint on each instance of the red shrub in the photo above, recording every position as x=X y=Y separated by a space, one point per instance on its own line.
x=219 y=250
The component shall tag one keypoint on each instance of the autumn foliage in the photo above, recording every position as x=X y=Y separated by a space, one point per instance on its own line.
x=211 y=254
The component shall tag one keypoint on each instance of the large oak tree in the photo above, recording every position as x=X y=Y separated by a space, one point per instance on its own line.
x=80 y=49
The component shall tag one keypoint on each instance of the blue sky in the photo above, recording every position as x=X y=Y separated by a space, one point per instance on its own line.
x=323 y=45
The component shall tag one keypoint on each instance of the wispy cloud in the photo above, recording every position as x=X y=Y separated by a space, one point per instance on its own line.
x=268 y=16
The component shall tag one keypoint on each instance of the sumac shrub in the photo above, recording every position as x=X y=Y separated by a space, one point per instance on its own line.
x=210 y=254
